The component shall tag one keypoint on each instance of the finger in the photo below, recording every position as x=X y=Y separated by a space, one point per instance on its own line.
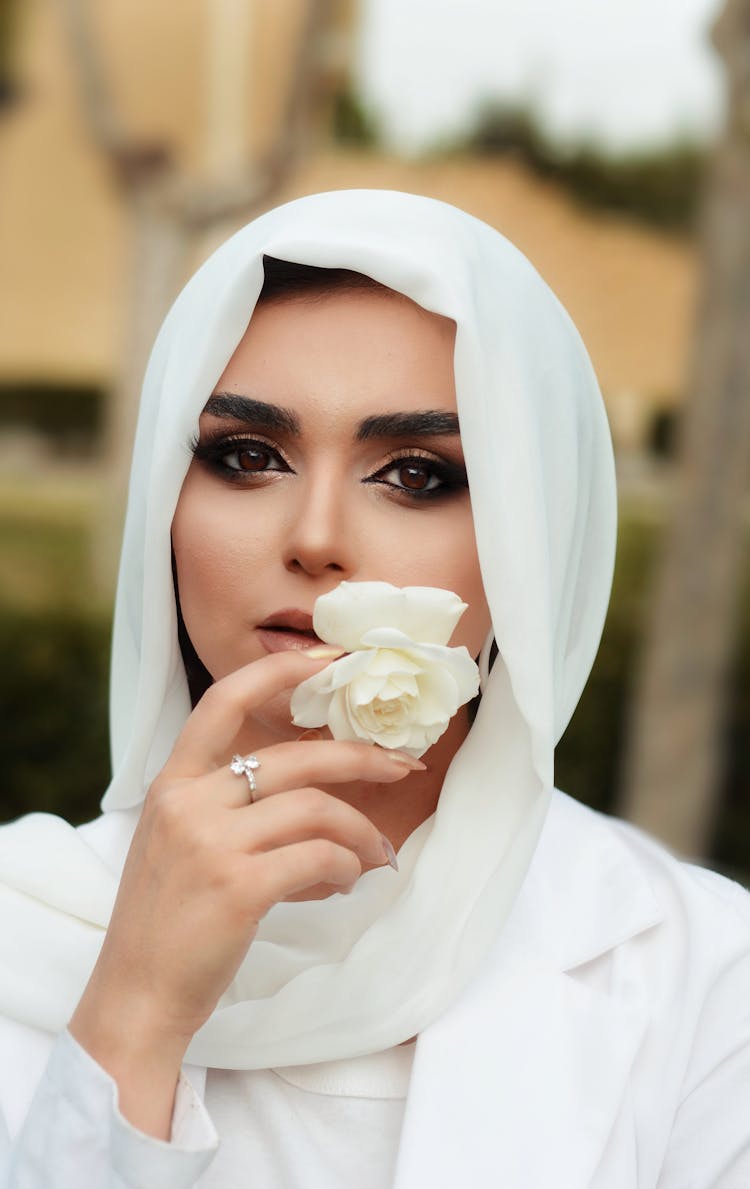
x=294 y=868
x=294 y=765
x=209 y=732
x=302 y=814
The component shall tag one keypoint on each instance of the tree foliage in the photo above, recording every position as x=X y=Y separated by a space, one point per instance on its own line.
x=660 y=186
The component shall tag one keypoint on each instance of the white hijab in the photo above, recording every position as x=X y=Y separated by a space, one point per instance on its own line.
x=354 y=974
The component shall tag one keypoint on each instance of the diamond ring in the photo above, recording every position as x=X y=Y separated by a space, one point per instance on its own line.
x=246 y=766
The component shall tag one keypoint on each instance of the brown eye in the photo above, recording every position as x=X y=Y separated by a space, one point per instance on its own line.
x=421 y=478
x=414 y=477
x=253 y=459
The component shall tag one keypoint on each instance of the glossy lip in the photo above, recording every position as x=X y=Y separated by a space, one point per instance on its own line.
x=290 y=617
x=290 y=628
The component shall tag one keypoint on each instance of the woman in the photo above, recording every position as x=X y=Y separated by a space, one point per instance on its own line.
x=537 y=994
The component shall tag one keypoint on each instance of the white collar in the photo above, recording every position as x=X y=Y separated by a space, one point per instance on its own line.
x=519 y=1082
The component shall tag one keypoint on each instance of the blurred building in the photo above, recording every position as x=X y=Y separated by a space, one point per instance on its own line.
x=207 y=80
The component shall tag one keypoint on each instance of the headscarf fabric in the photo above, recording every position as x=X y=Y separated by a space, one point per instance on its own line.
x=354 y=974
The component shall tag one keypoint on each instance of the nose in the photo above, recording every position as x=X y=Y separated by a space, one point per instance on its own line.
x=321 y=537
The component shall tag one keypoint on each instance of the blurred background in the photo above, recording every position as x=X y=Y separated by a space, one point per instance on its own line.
x=611 y=144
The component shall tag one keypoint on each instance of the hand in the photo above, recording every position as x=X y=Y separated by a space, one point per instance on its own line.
x=205 y=865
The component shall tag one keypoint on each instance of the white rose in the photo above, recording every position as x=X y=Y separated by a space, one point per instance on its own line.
x=400 y=685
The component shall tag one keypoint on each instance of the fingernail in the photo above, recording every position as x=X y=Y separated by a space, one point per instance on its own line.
x=323 y=651
x=398 y=757
x=390 y=853
x=306 y=736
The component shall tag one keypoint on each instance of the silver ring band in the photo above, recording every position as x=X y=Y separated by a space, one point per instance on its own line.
x=246 y=766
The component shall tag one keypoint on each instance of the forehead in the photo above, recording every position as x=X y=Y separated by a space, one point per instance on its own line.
x=342 y=355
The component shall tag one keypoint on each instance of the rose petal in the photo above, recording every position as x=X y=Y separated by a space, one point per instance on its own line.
x=465 y=673
x=427 y=613
x=340 y=723
x=345 y=613
x=389 y=691
x=438 y=697
x=347 y=669
x=365 y=688
x=423 y=613
x=406 y=683
x=394 y=739
x=386 y=660
x=309 y=701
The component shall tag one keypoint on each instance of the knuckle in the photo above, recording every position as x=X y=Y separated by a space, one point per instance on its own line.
x=174 y=823
x=354 y=869
x=159 y=806
x=325 y=852
x=339 y=863
x=158 y=788
x=168 y=805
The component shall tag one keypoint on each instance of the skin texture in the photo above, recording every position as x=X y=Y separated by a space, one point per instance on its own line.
x=306 y=512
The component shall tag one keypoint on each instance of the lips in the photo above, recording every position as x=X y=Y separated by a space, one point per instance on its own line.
x=290 y=620
x=287 y=629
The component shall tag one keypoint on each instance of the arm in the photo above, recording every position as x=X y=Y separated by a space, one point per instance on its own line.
x=75 y=1134
x=205 y=865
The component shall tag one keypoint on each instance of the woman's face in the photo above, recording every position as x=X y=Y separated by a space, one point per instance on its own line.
x=329 y=451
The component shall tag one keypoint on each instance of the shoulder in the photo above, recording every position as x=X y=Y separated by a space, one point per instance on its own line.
x=657 y=934
x=710 y=897
x=678 y=882
x=621 y=888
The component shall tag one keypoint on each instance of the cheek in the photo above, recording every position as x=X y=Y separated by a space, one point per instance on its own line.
x=440 y=551
x=217 y=557
x=476 y=620
x=463 y=575
x=203 y=549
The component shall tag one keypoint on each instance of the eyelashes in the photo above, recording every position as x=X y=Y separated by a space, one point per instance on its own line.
x=450 y=477
x=214 y=451
x=431 y=477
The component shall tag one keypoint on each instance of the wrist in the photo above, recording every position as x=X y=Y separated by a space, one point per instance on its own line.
x=137 y=1050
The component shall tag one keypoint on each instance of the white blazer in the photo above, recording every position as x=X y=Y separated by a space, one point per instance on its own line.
x=605 y=1043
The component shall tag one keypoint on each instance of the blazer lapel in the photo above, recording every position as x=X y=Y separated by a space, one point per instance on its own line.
x=520 y=1082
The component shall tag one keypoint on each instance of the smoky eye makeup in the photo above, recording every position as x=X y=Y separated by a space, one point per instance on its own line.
x=421 y=476
x=409 y=474
x=253 y=454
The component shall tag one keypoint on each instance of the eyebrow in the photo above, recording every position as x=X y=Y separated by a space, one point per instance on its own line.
x=231 y=407
x=431 y=422
x=427 y=423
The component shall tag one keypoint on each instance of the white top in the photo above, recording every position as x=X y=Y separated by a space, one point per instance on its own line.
x=325 y=1126
x=606 y=1044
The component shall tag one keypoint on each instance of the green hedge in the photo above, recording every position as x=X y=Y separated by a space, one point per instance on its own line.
x=53 y=697
x=68 y=415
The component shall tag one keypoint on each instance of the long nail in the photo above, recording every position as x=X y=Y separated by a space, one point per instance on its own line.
x=398 y=757
x=390 y=853
x=323 y=652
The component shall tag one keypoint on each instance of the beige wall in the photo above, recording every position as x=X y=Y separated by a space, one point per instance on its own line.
x=63 y=230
